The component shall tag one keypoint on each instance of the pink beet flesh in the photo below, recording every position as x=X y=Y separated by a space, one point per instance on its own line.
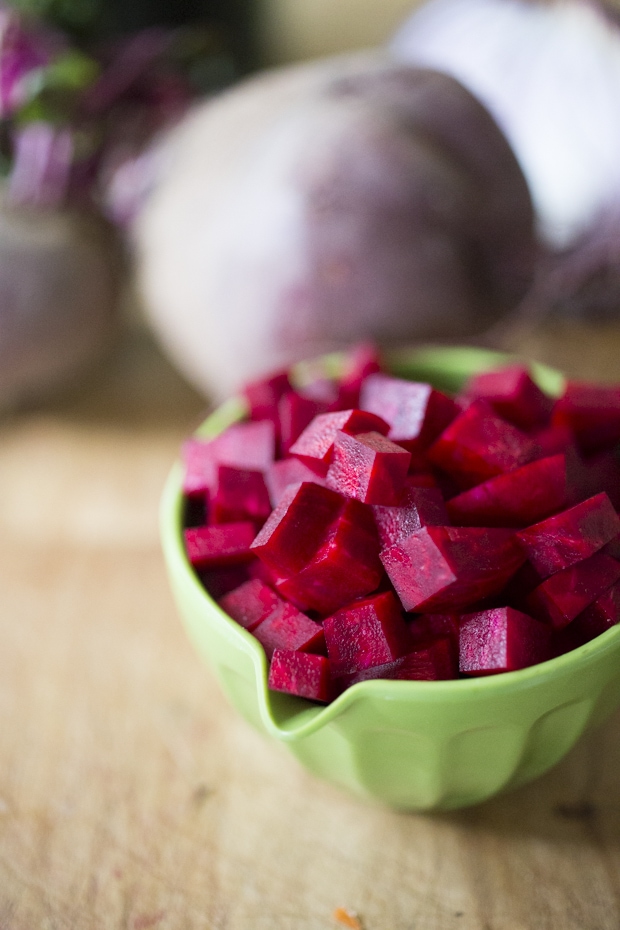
x=287 y=628
x=570 y=536
x=416 y=412
x=417 y=507
x=284 y=473
x=243 y=445
x=478 y=445
x=444 y=568
x=360 y=362
x=368 y=467
x=369 y=632
x=214 y=546
x=513 y=395
x=250 y=603
x=263 y=396
x=434 y=661
x=315 y=445
x=592 y=412
x=518 y=498
x=295 y=412
x=300 y=673
x=501 y=640
x=563 y=596
x=346 y=566
x=239 y=494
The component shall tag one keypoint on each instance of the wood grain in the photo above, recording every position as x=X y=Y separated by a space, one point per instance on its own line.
x=132 y=796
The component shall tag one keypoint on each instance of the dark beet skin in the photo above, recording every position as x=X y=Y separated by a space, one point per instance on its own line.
x=571 y=536
x=479 y=445
x=445 y=568
x=367 y=633
x=501 y=640
x=517 y=499
x=368 y=467
x=513 y=395
x=563 y=596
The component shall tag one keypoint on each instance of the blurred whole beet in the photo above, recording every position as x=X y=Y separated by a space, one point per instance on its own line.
x=315 y=205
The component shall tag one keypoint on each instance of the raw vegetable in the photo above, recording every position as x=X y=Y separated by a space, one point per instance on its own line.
x=389 y=571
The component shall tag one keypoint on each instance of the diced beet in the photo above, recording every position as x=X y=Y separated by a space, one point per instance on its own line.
x=434 y=661
x=242 y=445
x=445 y=568
x=360 y=361
x=286 y=628
x=563 y=596
x=297 y=527
x=520 y=586
x=300 y=673
x=479 y=445
x=213 y=546
x=366 y=633
x=220 y=581
x=286 y=472
x=199 y=468
x=368 y=467
x=427 y=627
x=346 y=565
x=595 y=473
x=314 y=446
x=416 y=412
x=325 y=392
x=513 y=395
x=554 y=439
x=592 y=412
x=417 y=507
x=263 y=396
x=501 y=640
x=613 y=548
x=517 y=498
x=601 y=615
x=239 y=495
x=571 y=536
x=250 y=603
x=295 y=412
x=196 y=510
x=424 y=479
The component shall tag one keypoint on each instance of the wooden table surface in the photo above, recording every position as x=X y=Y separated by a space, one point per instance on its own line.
x=131 y=796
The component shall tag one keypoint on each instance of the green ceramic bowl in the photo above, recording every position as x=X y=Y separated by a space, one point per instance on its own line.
x=412 y=745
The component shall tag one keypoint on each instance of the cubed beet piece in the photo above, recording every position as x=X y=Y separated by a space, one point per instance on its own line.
x=601 y=615
x=250 y=603
x=295 y=412
x=595 y=473
x=239 y=494
x=213 y=546
x=479 y=445
x=554 y=439
x=263 y=396
x=571 y=536
x=360 y=361
x=563 y=596
x=520 y=586
x=417 y=507
x=501 y=640
x=366 y=633
x=220 y=581
x=416 y=412
x=434 y=661
x=346 y=565
x=368 y=467
x=300 y=673
x=286 y=472
x=518 y=498
x=513 y=395
x=592 y=412
x=315 y=445
x=297 y=527
x=200 y=467
x=242 y=445
x=445 y=568
x=287 y=628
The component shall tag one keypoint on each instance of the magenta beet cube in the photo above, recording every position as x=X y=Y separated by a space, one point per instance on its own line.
x=346 y=565
x=563 y=596
x=360 y=361
x=295 y=412
x=596 y=473
x=446 y=568
x=479 y=445
x=368 y=467
x=250 y=603
x=570 y=536
x=300 y=673
x=554 y=439
x=220 y=581
x=200 y=467
x=246 y=445
x=501 y=640
x=517 y=498
x=297 y=527
x=520 y=586
x=416 y=412
x=214 y=546
x=417 y=507
x=601 y=615
x=287 y=628
x=592 y=412
x=434 y=661
x=315 y=445
x=264 y=394
x=366 y=633
x=286 y=472
x=239 y=495
x=513 y=395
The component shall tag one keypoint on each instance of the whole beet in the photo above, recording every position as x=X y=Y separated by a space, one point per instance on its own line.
x=349 y=198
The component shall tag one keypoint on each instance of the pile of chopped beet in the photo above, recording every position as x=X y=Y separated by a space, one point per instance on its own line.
x=372 y=527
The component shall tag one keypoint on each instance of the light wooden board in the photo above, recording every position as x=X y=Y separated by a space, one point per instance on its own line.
x=131 y=796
